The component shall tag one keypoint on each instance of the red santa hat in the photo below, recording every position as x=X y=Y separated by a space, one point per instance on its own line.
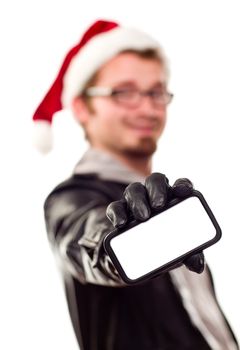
x=101 y=42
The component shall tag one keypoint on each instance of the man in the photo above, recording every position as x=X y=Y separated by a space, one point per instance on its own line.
x=115 y=81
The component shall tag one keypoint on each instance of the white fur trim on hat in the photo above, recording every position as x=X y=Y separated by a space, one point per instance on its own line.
x=42 y=136
x=98 y=51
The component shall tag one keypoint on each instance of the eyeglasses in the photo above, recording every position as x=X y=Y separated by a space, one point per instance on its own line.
x=131 y=97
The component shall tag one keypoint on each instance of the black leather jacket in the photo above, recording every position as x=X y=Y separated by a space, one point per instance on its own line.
x=106 y=314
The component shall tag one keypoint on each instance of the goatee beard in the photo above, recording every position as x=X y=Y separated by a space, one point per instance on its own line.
x=145 y=148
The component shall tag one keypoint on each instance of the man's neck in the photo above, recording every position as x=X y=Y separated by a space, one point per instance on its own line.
x=140 y=164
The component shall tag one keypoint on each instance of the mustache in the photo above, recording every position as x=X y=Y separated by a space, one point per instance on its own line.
x=143 y=121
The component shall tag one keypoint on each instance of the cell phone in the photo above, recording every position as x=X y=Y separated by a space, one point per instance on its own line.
x=143 y=250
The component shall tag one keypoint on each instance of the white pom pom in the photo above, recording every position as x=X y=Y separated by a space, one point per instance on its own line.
x=42 y=136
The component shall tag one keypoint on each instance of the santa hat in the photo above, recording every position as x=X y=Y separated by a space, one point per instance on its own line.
x=101 y=42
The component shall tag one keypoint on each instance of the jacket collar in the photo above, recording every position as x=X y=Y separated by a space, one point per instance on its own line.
x=106 y=167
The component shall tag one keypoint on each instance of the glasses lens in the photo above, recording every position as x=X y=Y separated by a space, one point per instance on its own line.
x=160 y=97
x=128 y=97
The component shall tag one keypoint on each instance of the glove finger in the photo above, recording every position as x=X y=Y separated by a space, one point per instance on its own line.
x=117 y=213
x=195 y=262
x=157 y=187
x=136 y=197
x=182 y=188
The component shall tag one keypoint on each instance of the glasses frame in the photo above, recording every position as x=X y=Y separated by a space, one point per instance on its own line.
x=115 y=93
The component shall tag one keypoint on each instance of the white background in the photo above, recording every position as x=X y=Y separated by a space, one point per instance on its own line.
x=201 y=142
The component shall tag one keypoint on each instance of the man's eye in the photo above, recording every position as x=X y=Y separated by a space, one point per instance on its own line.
x=156 y=93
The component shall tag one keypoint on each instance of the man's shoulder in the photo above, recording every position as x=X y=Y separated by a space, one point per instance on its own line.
x=88 y=182
x=81 y=193
x=87 y=185
x=78 y=181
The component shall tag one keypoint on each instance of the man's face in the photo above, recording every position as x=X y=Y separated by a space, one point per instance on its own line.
x=115 y=127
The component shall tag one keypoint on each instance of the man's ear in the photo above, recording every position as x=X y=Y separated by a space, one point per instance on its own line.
x=80 y=110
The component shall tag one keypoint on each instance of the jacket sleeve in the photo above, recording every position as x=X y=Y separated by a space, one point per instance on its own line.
x=77 y=224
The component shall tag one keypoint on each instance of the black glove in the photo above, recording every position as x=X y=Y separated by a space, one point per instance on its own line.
x=140 y=201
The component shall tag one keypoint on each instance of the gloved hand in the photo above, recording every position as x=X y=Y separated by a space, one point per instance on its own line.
x=139 y=201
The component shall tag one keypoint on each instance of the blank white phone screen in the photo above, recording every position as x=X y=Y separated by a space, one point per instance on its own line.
x=163 y=238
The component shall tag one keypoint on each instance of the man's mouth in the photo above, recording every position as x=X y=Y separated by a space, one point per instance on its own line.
x=144 y=128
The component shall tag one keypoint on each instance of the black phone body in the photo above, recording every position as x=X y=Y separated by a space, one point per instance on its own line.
x=144 y=249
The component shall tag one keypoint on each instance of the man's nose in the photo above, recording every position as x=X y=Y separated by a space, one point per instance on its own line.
x=146 y=103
